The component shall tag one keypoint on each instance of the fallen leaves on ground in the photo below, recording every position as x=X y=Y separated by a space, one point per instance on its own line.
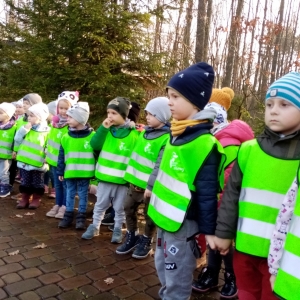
x=41 y=246
x=29 y=214
x=109 y=281
x=14 y=253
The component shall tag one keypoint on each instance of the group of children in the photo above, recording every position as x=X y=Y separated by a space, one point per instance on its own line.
x=177 y=170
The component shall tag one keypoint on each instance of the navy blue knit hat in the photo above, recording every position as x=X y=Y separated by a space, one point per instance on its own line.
x=194 y=83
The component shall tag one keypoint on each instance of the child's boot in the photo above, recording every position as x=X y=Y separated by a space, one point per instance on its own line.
x=207 y=280
x=130 y=243
x=52 y=193
x=143 y=248
x=229 y=289
x=80 y=221
x=90 y=232
x=35 y=203
x=67 y=220
x=24 y=202
x=4 y=190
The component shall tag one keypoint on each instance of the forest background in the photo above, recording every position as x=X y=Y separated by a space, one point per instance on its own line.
x=106 y=48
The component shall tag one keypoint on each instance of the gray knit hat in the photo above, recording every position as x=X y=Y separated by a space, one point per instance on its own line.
x=159 y=108
x=79 y=112
x=121 y=105
x=33 y=98
x=52 y=107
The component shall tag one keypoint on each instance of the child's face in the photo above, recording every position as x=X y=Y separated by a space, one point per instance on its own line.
x=63 y=106
x=181 y=109
x=26 y=105
x=152 y=121
x=19 y=110
x=115 y=117
x=281 y=116
x=33 y=119
x=73 y=123
x=3 y=116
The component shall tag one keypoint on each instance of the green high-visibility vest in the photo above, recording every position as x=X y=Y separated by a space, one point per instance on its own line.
x=79 y=156
x=171 y=194
x=32 y=149
x=53 y=144
x=231 y=152
x=6 y=142
x=287 y=283
x=143 y=158
x=266 y=179
x=19 y=123
x=114 y=157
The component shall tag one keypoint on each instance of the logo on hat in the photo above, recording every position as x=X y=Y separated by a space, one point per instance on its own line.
x=181 y=75
x=206 y=73
x=273 y=93
x=114 y=102
x=202 y=94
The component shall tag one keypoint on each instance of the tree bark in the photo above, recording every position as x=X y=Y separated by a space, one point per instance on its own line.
x=200 y=34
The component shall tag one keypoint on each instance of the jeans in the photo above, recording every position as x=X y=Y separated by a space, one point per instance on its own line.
x=60 y=188
x=4 y=169
x=80 y=186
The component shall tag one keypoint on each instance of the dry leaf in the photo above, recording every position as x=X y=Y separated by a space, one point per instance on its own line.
x=140 y=211
x=19 y=216
x=109 y=280
x=41 y=246
x=14 y=253
x=29 y=214
x=89 y=220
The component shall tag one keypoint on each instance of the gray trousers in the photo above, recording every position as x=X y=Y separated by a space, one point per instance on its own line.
x=132 y=202
x=4 y=170
x=107 y=194
x=175 y=261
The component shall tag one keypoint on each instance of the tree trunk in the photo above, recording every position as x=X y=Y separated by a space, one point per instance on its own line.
x=187 y=34
x=200 y=34
x=207 y=28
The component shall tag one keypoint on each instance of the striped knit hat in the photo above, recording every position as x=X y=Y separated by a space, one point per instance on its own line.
x=287 y=88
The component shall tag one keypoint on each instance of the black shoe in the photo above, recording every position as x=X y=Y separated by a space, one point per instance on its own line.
x=143 y=248
x=207 y=280
x=229 y=289
x=80 y=221
x=109 y=219
x=67 y=220
x=130 y=243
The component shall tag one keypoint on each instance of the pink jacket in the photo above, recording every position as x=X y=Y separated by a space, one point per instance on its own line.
x=233 y=133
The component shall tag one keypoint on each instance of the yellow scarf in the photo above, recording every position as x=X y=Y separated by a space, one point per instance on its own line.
x=178 y=127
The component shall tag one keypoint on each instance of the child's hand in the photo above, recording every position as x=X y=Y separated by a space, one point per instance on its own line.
x=210 y=239
x=107 y=123
x=147 y=193
x=222 y=245
x=61 y=178
x=272 y=281
x=28 y=126
x=14 y=155
x=131 y=124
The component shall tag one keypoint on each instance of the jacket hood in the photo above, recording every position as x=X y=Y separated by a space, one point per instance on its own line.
x=234 y=133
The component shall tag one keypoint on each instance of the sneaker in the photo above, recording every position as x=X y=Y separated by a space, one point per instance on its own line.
x=60 y=213
x=117 y=236
x=4 y=190
x=90 y=232
x=207 y=280
x=229 y=289
x=130 y=243
x=108 y=219
x=53 y=211
x=51 y=194
x=143 y=248
x=17 y=197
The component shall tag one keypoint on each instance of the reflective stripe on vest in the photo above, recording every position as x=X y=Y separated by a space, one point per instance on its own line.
x=231 y=152
x=114 y=157
x=171 y=193
x=79 y=156
x=31 y=151
x=6 y=142
x=143 y=158
x=287 y=283
x=261 y=196
x=54 y=142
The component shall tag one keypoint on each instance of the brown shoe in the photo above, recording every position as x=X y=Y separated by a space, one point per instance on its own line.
x=24 y=201
x=35 y=203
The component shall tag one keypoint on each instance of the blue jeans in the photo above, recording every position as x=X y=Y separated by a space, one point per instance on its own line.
x=80 y=186
x=60 y=188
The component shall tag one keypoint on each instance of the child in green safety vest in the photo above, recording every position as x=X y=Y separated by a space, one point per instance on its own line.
x=7 y=133
x=141 y=173
x=30 y=141
x=76 y=163
x=184 y=197
x=258 y=183
x=58 y=129
x=284 y=252
x=115 y=140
